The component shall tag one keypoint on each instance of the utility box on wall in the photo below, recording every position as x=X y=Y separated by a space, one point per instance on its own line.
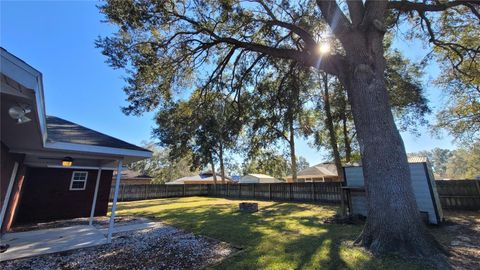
x=423 y=184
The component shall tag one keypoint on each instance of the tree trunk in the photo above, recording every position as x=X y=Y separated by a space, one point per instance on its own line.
x=393 y=222
x=331 y=128
x=346 y=140
x=222 y=166
x=214 y=174
x=293 y=157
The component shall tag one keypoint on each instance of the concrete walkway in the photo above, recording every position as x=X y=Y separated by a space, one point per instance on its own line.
x=39 y=242
x=33 y=243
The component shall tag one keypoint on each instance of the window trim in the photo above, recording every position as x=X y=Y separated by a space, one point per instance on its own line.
x=73 y=180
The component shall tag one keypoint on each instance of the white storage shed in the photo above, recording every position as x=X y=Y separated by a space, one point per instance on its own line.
x=423 y=184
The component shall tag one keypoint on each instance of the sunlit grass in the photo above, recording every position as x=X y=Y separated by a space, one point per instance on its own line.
x=280 y=235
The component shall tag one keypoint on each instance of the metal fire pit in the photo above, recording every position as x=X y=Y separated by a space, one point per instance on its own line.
x=248 y=207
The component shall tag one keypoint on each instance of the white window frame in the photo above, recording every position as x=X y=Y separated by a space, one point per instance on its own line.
x=73 y=180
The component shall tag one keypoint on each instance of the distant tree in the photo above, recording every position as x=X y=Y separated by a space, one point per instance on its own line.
x=268 y=162
x=204 y=126
x=302 y=163
x=278 y=111
x=161 y=167
x=464 y=162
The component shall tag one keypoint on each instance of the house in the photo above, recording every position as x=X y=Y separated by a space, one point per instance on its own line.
x=323 y=172
x=130 y=177
x=423 y=183
x=256 y=178
x=51 y=168
x=205 y=178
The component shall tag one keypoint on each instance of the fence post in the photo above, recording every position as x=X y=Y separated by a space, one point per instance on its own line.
x=239 y=190
x=146 y=196
x=228 y=191
x=313 y=190
x=270 y=192
x=184 y=190
x=166 y=191
x=254 y=191
x=478 y=186
x=123 y=193
x=290 y=191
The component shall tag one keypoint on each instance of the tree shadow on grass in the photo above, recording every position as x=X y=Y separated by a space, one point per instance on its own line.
x=281 y=236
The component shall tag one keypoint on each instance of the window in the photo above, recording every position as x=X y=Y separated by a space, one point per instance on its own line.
x=79 y=181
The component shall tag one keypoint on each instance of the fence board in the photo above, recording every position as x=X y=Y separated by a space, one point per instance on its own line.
x=459 y=194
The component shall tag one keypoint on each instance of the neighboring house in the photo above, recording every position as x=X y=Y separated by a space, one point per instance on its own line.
x=51 y=168
x=129 y=177
x=203 y=178
x=323 y=172
x=256 y=178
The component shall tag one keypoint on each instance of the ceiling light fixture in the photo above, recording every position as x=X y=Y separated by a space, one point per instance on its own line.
x=18 y=113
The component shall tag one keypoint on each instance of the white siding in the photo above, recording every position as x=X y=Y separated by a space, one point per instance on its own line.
x=354 y=176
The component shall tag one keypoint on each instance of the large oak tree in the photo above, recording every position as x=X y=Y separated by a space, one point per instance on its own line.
x=167 y=45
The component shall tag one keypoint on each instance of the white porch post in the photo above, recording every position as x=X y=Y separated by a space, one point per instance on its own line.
x=9 y=192
x=114 y=205
x=94 y=202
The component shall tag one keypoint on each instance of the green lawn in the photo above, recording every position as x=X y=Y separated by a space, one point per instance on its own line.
x=280 y=236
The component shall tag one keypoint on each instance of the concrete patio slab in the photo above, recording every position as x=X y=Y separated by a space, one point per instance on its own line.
x=39 y=242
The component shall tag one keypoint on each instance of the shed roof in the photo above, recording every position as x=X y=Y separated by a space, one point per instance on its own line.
x=61 y=130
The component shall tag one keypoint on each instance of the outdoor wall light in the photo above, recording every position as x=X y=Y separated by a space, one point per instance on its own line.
x=67 y=161
x=18 y=112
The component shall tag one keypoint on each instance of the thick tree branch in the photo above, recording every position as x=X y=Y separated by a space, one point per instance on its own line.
x=335 y=18
x=408 y=6
x=356 y=10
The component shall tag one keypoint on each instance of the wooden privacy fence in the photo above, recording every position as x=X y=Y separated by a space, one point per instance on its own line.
x=321 y=192
x=318 y=192
x=454 y=194
x=157 y=191
x=459 y=194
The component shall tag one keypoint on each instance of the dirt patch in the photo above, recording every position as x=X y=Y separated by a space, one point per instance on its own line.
x=163 y=247
x=460 y=233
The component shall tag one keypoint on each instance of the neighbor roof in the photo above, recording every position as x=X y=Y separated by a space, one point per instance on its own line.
x=129 y=174
x=198 y=177
x=319 y=170
x=61 y=130
x=259 y=175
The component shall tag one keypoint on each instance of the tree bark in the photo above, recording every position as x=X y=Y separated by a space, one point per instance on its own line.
x=331 y=128
x=222 y=166
x=214 y=174
x=346 y=140
x=293 y=156
x=393 y=221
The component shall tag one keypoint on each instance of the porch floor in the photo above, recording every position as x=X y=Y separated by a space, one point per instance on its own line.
x=39 y=242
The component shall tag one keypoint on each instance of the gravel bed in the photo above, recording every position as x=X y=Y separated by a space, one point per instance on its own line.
x=163 y=247
x=98 y=222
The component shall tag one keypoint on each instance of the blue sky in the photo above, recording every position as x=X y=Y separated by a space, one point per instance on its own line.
x=57 y=38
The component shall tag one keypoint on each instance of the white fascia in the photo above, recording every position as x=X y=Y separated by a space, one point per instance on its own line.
x=98 y=149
